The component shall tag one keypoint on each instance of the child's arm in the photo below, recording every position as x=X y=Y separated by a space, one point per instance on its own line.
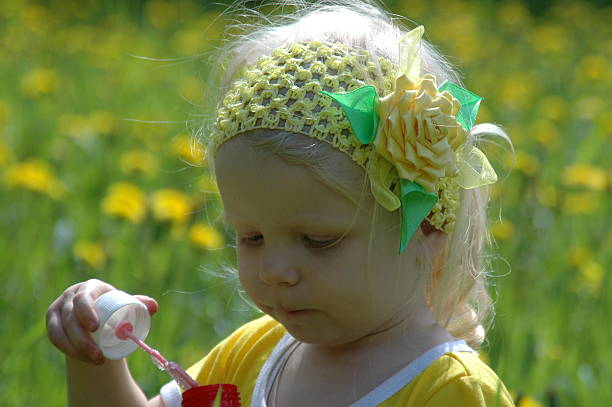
x=91 y=380
x=110 y=384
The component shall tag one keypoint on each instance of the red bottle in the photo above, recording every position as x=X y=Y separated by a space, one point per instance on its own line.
x=204 y=396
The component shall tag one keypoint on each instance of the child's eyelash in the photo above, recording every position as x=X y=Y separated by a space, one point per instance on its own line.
x=317 y=244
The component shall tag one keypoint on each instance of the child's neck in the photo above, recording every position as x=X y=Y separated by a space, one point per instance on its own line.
x=312 y=370
x=409 y=335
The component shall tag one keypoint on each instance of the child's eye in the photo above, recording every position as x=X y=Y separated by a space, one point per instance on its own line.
x=251 y=239
x=321 y=244
x=316 y=244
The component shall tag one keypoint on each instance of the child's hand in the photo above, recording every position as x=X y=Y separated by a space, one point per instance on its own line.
x=72 y=317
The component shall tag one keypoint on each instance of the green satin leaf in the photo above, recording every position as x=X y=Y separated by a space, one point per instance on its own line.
x=470 y=103
x=360 y=109
x=416 y=205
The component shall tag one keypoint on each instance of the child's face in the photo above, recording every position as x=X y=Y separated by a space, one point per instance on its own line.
x=321 y=295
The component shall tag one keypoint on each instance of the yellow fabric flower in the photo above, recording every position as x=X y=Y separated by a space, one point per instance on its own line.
x=419 y=132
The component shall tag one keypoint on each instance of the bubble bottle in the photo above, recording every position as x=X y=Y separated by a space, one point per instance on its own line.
x=124 y=325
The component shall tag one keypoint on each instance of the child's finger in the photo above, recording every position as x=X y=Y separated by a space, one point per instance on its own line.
x=85 y=312
x=149 y=302
x=84 y=302
x=80 y=339
x=58 y=337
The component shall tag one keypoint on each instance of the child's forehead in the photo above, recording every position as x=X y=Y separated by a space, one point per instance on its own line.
x=259 y=184
x=295 y=149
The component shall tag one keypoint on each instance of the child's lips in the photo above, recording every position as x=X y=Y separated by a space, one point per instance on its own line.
x=291 y=311
x=294 y=312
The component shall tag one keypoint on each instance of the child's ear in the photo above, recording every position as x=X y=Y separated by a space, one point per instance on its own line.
x=436 y=240
x=433 y=236
x=427 y=228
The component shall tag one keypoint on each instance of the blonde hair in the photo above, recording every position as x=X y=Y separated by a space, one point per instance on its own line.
x=455 y=284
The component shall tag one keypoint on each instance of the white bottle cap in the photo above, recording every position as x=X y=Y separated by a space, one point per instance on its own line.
x=113 y=307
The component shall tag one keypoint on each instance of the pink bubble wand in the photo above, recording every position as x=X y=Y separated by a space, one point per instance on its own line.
x=124 y=330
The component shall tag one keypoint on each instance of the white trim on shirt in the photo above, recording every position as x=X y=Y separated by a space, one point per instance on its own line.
x=171 y=392
x=379 y=394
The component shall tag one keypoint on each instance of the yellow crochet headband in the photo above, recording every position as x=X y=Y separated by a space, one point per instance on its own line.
x=407 y=134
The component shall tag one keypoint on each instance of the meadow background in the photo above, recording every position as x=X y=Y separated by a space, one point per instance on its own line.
x=98 y=179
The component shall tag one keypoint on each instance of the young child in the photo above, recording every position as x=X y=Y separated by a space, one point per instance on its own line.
x=349 y=171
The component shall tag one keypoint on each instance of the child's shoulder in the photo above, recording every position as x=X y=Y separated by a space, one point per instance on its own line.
x=461 y=364
x=461 y=379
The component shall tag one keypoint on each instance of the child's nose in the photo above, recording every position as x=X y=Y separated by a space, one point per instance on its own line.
x=279 y=270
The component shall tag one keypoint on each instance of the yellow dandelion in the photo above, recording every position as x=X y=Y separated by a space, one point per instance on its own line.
x=139 y=161
x=102 y=121
x=39 y=82
x=547 y=195
x=553 y=107
x=484 y=115
x=502 y=230
x=206 y=237
x=516 y=89
x=545 y=132
x=524 y=162
x=581 y=203
x=126 y=201
x=591 y=177
x=578 y=255
x=161 y=14
x=188 y=149
x=590 y=276
x=591 y=68
x=75 y=126
x=512 y=14
x=588 y=107
x=92 y=253
x=171 y=205
x=36 y=18
x=528 y=401
x=207 y=184
x=549 y=38
x=189 y=42
x=34 y=175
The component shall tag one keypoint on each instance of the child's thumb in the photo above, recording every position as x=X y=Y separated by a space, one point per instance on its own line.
x=149 y=302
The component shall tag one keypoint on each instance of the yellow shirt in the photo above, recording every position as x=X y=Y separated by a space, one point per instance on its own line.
x=454 y=379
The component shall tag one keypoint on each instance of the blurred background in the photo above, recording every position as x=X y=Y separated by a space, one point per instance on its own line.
x=100 y=178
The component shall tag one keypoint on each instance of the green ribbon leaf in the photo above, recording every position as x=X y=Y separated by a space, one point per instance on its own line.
x=360 y=109
x=470 y=103
x=416 y=205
